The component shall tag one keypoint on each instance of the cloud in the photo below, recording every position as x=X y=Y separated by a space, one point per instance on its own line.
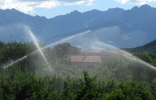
x=77 y=2
x=28 y=6
x=125 y=37
x=141 y=2
x=70 y=0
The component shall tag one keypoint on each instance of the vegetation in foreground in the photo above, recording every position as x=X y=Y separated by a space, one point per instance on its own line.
x=110 y=81
x=24 y=85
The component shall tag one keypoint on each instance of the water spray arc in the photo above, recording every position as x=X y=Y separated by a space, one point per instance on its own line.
x=40 y=49
x=66 y=39
x=129 y=56
x=15 y=61
x=125 y=54
x=37 y=45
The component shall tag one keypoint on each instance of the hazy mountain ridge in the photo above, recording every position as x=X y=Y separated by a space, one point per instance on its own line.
x=135 y=27
x=42 y=26
x=147 y=48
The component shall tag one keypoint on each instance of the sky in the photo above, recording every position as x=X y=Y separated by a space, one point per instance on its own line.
x=52 y=8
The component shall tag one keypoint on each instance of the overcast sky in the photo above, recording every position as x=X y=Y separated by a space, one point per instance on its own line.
x=52 y=8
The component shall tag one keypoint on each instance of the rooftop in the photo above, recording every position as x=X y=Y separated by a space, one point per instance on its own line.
x=85 y=59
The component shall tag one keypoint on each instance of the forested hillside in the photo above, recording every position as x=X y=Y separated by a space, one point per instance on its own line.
x=146 y=52
x=147 y=48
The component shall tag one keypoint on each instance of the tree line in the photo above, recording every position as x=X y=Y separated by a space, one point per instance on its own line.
x=24 y=85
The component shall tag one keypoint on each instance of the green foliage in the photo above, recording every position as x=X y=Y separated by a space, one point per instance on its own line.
x=14 y=50
x=147 y=57
x=65 y=49
x=114 y=79
x=1 y=44
x=24 y=85
x=87 y=90
x=153 y=89
x=18 y=85
x=11 y=52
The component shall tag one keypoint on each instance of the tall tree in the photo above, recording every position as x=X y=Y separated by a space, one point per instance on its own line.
x=62 y=50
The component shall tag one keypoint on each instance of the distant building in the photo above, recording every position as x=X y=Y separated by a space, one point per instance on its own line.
x=84 y=61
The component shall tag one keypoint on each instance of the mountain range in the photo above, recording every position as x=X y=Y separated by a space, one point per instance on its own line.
x=116 y=27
